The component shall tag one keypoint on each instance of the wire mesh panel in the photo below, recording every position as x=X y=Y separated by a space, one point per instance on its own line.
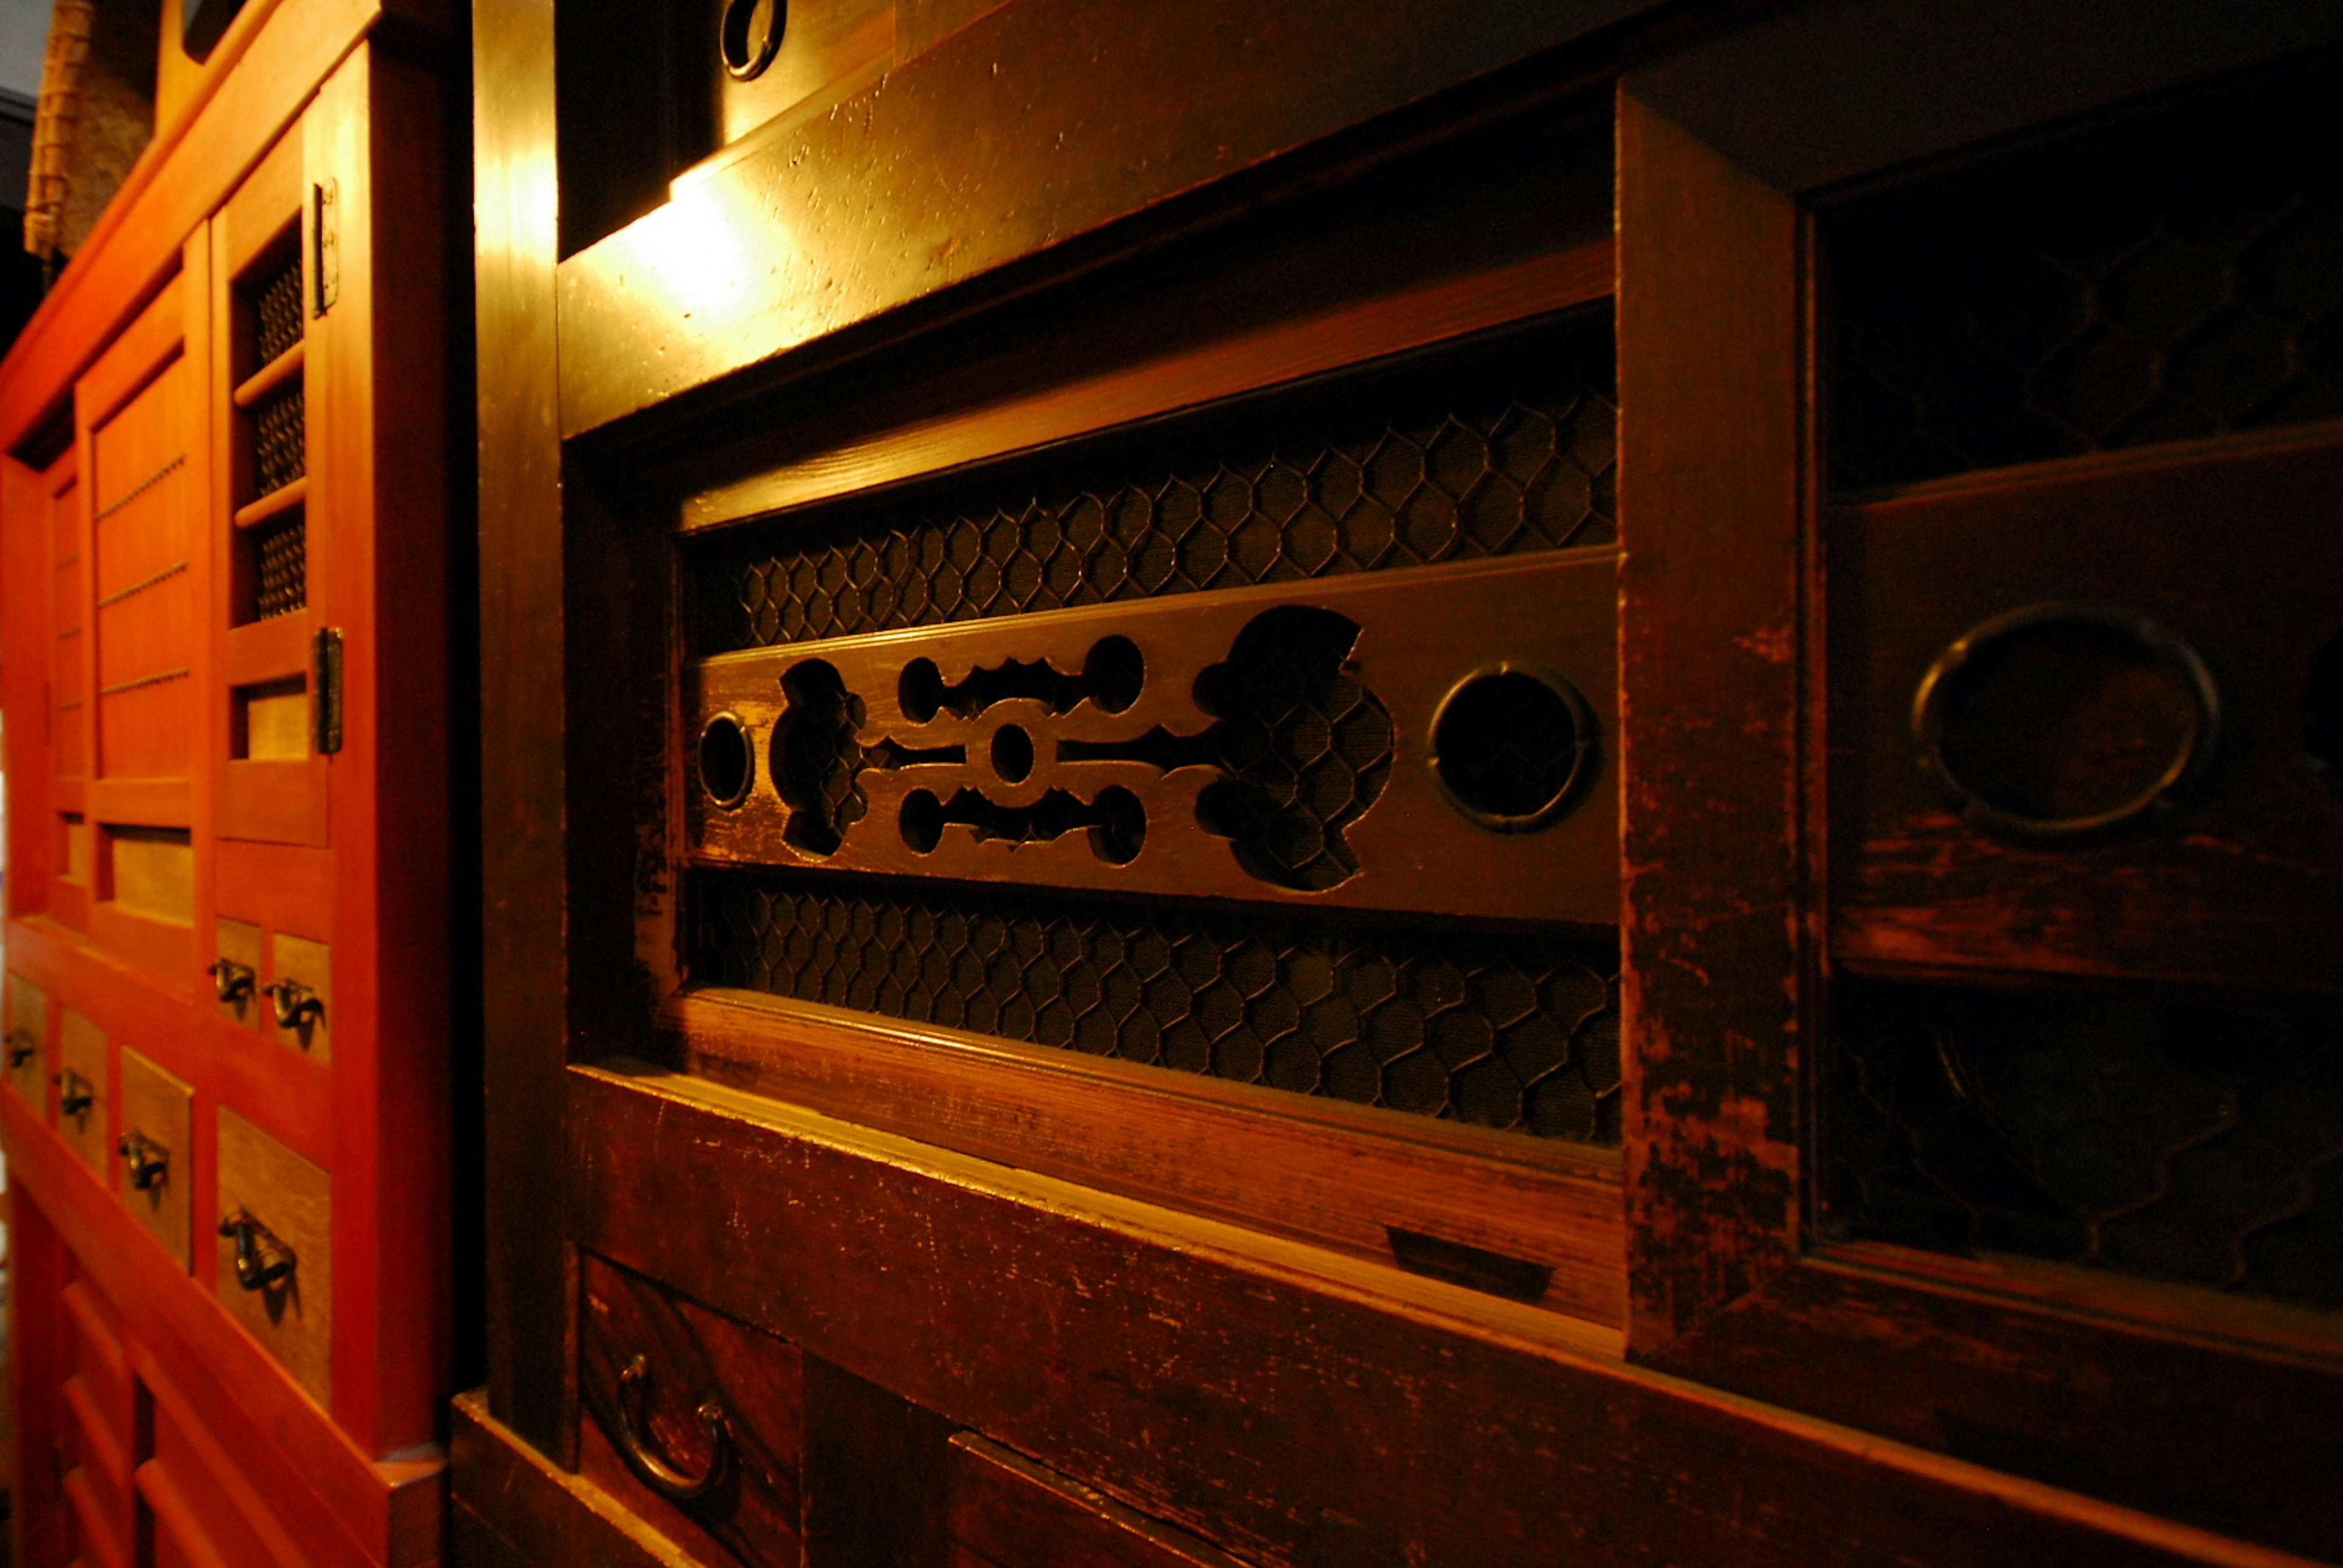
x=276 y=298
x=282 y=578
x=2176 y=278
x=281 y=434
x=904 y=828
x=1508 y=454
x=2181 y=1140
x=1501 y=1029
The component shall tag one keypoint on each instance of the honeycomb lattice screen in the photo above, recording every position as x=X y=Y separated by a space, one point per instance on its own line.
x=1511 y=455
x=2166 y=279
x=1512 y=1031
x=1506 y=450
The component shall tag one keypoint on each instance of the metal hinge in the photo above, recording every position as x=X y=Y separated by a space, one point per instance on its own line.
x=324 y=246
x=326 y=680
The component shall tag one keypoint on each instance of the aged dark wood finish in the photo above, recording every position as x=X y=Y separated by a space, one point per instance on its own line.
x=2239 y=882
x=1284 y=1363
x=1712 y=523
x=1009 y=1512
x=523 y=716
x=1163 y=1316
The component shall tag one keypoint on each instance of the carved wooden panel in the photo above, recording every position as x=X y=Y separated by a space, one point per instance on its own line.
x=1429 y=742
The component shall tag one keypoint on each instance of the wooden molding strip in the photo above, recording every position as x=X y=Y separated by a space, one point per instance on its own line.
x=274 y=374
x=1289 y=351
x=282 y=499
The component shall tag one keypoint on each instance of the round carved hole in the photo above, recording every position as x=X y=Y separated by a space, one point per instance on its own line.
x=726 y=764
x=1115 y=672
x=2060 y=720
x=752 y=35
x=1012 y=754
x=923 y=821
x=919 y=692
x=1122 y=829
x=2322 y=713
x=1511 y=747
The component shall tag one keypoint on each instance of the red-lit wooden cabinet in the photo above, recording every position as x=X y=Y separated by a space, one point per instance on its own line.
x=227 y=535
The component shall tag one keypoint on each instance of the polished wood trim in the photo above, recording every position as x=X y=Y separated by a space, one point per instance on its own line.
x=1197 y=1344
x=175 y=187
x=143 y=802
x=1712 y=530
x=524 y=720
x=272 y=376
x=1311 y=346
x=1317 y=1171
x=275 y=504
x=987 y=150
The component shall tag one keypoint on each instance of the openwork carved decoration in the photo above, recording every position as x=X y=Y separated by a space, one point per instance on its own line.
x=1114 y=750
x=1299 y=749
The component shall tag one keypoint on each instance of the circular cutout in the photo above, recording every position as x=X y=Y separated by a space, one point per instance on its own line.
x=1120 y=832
x=1115 y=672
x=922 y=821
x=752 y=35
x=727 y=763
x=1012 y=754
x=2322 y=714
x=2062 y=720
x=919 y=690
x=1511 y=747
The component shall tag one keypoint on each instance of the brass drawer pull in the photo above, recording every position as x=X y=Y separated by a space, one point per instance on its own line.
x=75 y=1094
x=261 y=1259
x=231 y=981
x=22 y=1047
x=634 y=1389
x=294 y=1005
x=149 y=1162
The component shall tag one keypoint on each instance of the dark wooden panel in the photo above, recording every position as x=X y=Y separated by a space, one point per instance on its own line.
x=1249 y=1390
x=1008 y=1512
x=1711 y=631
x=2204 y=1408
x=2229 y=545
x=877 y=1474
x=691 y=1356
x=987 y=150
x=521 y=661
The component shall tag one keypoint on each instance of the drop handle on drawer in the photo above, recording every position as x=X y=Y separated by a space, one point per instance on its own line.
x=149 y=1162
x=231 y=981
x=294 y=1004
x=22 y=1047
x=75 y=1093
x=261 y=1259
x=634 y=1391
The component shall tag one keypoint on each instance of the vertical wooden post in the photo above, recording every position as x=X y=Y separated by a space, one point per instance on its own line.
x=1712 y=628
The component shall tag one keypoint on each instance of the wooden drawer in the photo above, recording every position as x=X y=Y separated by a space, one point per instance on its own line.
x=239 y=946
x=156 y=1170
x=1008 y=1511
x=292 y=1201
x=27 y=1046
x=302 y=994
x=690 y=1359
x=81 y=1080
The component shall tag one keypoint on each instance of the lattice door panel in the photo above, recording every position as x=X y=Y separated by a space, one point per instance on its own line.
x=146 y=612
x=1341 y=660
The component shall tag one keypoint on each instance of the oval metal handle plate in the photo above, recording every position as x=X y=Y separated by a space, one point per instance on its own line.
x=634 y=1391
x=2189 y=759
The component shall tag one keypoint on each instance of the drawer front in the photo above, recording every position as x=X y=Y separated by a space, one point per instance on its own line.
x=237 y=989
x=156 y=1169
x=299 y=1009
x=27 y=1048
x=643 y=1436
x=1008 y=1511
x=81 y=1080
x=290 y=1201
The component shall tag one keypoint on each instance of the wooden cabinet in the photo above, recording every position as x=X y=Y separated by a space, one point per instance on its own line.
x=228 y=529
x=1407 y=784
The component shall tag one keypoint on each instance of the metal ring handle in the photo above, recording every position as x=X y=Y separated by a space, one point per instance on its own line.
x=149 y=1162
x=634 y=1389
x=747 y=57
x=23 y=1046
x=262 y=1259
x=2194 y=755
x=294 y=1005
x=231 y=981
